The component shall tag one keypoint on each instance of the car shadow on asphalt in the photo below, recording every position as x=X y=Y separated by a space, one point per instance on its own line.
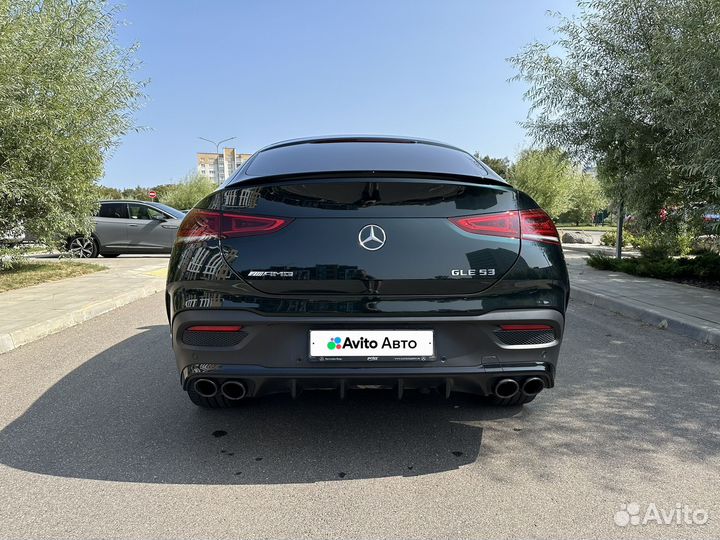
x=122 y=416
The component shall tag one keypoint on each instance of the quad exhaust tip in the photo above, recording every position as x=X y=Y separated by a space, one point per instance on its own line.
x=233 y=390
x=533 y=386
x=506 y=388
x=207 y=388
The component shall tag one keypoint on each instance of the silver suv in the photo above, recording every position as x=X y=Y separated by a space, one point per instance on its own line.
x=129 y=227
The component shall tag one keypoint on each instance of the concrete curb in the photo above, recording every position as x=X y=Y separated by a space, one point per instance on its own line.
x=691 y=327
x=15 y=339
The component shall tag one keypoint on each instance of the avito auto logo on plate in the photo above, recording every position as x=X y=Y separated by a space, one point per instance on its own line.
x=378 y=343
x=338 y=343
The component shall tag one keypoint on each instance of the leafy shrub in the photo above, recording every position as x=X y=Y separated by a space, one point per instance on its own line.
x=662 y=244
x=602 y=262
x=610 y=237
x=705 y=267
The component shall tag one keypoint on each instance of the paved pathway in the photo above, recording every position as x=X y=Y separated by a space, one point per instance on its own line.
x=683 y=309
x=33 y=312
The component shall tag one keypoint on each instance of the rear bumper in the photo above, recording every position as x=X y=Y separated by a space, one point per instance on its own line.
x=272 y=354
x=261 y=380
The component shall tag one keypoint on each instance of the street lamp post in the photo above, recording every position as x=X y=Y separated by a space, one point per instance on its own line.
x=217 y=152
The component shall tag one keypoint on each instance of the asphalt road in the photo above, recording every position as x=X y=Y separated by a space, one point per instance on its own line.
x=98 y=441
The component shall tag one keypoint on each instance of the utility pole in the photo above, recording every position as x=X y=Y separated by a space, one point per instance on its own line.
x=620 y=222
x=217 y=157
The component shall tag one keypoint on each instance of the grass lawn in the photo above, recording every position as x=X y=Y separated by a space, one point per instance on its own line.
x=32 y=273
x=599 y=228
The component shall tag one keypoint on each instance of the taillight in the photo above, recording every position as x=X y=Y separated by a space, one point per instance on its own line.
x=199 y=225
x=533 y=225
x=506 y=224
x=537 y=225
x=209 y=224
x=239 y=225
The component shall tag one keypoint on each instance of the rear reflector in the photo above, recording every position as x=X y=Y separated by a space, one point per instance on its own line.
x=524 y=327
x=213 y=328
x=533 y=225
x=209 y=224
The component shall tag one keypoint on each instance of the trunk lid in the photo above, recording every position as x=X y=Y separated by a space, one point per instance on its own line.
x=381 y=237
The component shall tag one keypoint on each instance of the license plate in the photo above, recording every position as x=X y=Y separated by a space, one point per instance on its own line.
x=372 y=344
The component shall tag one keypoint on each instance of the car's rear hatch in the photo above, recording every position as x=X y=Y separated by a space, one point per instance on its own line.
x=380 y=237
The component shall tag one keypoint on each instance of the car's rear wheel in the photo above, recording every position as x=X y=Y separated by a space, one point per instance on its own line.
x=83 y=247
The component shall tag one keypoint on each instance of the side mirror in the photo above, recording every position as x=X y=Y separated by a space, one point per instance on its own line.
x=161 y=219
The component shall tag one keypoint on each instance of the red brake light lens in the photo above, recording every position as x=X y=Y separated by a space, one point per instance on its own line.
x=240 y=225
x=536 y=225
x=201 y=225
x=505 y=224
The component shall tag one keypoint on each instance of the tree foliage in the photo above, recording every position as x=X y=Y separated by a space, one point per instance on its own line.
x=586 y=198
x=499 y=165
x=188 y=192
x=634 y=86
x=66 y=96
x=547 y=176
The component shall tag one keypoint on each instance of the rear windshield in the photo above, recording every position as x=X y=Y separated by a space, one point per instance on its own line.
x=364 y=156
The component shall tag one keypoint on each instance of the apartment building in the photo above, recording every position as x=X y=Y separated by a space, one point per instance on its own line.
x=219 y=167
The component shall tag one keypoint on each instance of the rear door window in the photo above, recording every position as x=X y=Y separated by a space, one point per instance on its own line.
x=141 y=211
x=113 y=210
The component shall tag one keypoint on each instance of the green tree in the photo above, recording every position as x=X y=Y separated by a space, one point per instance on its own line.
x=547 y=176
x=499 y=165
x=66 y=97
x=586 y=198
x=104 y=192
x=138 y=193
x=188 y=192
x=633 y=86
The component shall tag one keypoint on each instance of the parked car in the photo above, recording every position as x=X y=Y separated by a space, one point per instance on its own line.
x=366 y=262
x=712 y=215
x=128 y=227
x=13 y=236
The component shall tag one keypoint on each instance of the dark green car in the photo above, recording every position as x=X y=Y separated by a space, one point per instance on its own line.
x=366 y=262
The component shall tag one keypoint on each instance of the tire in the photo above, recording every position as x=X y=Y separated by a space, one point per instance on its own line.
x=110 y=255
x=517 y=399
x=83 y=247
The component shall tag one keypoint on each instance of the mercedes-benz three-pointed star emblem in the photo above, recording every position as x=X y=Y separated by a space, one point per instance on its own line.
x=372 y=237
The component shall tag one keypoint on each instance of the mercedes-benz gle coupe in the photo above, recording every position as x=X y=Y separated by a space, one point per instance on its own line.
x=366 y=262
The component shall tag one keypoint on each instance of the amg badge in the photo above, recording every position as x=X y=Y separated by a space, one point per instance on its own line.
x=267 y=273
